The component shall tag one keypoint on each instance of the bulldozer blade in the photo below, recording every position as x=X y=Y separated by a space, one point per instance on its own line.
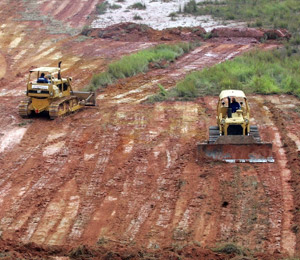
x=232 y=153
x=86 y=98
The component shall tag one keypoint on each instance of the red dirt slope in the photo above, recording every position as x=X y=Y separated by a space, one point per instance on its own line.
x=125 y=172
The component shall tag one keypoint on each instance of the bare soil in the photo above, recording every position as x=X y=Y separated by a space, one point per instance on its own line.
x=132 y=32
x=122 y=178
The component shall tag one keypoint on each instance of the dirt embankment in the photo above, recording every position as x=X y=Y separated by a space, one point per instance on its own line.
x=258 y=34
x=132 y=32
x=126 y=172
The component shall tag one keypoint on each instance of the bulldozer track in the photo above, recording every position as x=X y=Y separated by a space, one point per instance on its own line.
x=214 y=134
x=23 y=108
x=255 y=133
x=62 y=107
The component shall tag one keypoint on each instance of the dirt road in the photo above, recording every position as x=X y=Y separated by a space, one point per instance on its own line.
x=126 y=171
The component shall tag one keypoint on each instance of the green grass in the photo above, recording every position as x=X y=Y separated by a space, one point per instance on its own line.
x=133 y=64
x=258 y=13
x=138 y=6
x=115 y=6
x=255 y=72
x=137 y=17
x=102 y=8
x=272 y=72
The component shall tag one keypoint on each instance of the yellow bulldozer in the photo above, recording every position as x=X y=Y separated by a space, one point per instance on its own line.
x=48 y=91
x=234 y=139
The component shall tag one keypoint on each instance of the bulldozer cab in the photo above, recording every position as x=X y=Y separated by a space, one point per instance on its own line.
x=47 y=82
x=233 y=113
x=226 y=104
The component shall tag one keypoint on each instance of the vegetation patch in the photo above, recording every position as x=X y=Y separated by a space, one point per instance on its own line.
x=115 y=6
x=138 y=5
x=81 y=252
x=137 y=17
x=173 y=16
x=139 y=62
x=102 y=8
x=229 y=249
x=258 y=13
x=272 y=72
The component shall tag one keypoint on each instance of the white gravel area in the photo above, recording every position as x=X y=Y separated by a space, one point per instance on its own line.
x=156 y=15
x=9 y=138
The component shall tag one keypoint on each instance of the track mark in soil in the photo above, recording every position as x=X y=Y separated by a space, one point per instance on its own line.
x=286 y=239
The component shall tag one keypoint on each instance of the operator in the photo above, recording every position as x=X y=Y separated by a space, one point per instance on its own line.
x=42 y=79
x=235 y=105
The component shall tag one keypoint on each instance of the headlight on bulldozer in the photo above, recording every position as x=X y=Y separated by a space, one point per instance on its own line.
x=246 y=121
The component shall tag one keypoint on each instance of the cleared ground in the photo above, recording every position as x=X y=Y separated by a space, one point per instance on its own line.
x=127 y=171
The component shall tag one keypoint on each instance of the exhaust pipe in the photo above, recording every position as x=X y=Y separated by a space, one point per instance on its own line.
x=59 y=75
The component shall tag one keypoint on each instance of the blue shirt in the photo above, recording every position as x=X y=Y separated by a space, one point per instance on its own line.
x=235 y=106
x=42 y=80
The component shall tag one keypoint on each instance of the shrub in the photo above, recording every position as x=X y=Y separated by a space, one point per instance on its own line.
x=163 y=91
x=156 y=98
x=229 y=249
x=81 y=251
x=137 y=17
x=102 y=8
x=173 y=15
x=138 y=6
x=190 y=7
x=102 y=79
x=186 y=89
x=115 y=6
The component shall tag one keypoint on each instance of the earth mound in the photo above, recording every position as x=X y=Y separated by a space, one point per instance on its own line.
x=133 y=32
x=258 y=34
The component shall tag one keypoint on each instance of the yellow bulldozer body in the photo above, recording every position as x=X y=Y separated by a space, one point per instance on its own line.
x=234 y=139
x=48 y=91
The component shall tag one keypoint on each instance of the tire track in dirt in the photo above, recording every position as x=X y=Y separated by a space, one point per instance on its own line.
x=95 y=191
x=47 y=176
x=276 y=182
x=283 y=113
